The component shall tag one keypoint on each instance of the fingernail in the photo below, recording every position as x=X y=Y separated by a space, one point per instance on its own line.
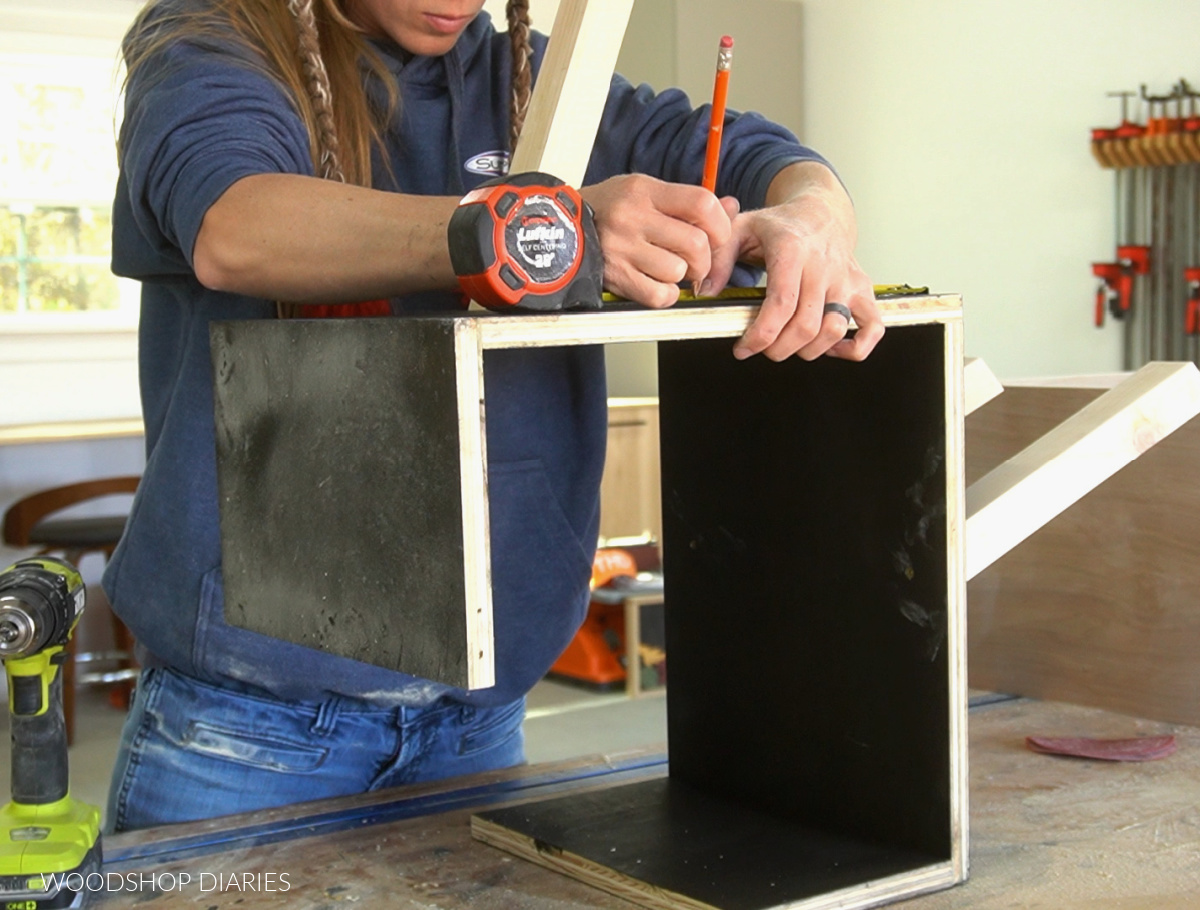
x=741 y=352
x=705 y=289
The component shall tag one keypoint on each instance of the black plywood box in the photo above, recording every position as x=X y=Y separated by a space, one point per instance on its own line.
x=813 y=522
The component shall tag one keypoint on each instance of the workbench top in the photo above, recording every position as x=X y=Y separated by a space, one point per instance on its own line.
x=70 y=431
x=1045 y=832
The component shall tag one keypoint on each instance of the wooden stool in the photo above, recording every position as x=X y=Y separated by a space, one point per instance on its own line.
x=29 y=522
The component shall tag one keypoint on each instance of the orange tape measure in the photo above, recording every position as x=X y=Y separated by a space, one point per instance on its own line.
x=527 y=242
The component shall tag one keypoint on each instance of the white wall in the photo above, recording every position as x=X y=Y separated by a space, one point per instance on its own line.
x=961 y=127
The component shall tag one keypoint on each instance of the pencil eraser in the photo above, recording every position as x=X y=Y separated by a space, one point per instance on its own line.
x=726 y=41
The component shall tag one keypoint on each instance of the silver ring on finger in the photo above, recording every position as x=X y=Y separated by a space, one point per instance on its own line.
x=840 y=308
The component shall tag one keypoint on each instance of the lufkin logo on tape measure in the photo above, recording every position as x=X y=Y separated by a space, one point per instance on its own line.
x=542 y=239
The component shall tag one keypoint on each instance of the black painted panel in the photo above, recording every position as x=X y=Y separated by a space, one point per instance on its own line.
x=806 y=584
x=666 y=834
x=338 y=468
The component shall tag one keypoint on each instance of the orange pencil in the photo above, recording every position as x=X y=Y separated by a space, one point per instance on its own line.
x=716 y=125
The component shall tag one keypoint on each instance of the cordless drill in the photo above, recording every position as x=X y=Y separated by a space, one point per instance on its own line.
x=49 y=842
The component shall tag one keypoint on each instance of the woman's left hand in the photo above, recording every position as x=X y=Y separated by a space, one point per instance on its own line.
x=804 y=238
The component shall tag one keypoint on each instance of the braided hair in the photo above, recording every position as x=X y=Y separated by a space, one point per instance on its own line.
x=522 y=68
x=320 y=92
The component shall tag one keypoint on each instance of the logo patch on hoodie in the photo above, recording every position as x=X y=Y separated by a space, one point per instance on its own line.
x=489 y=164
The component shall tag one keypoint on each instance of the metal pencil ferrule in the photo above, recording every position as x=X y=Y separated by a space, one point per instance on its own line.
x=724 y=58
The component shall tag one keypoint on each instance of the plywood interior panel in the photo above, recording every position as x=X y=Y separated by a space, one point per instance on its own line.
x=806 y=583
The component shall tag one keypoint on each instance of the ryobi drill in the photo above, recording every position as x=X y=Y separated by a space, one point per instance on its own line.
x=49 y=842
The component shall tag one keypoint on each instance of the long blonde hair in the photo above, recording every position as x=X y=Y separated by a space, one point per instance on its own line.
x=315 y=51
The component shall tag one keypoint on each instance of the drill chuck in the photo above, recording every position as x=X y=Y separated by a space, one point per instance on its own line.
x=40 y=600
x=23 y=631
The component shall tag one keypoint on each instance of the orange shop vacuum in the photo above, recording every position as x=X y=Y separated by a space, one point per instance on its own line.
x=596 y=655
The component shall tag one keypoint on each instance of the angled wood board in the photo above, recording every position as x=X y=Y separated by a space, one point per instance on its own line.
x=1022 y=494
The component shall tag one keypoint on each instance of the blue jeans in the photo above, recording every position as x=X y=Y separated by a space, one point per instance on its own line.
x=191 y=750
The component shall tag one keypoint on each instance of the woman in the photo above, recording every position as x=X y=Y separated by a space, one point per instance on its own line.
x=278 y=155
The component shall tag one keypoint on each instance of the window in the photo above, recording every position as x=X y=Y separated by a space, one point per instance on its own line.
x=57 y=173
x=55 y=259
x=68 y=328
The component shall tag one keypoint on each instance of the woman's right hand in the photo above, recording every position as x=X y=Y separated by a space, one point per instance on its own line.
x=656 y=234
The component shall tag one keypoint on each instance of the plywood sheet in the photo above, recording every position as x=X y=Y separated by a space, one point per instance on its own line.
x=1099 y=606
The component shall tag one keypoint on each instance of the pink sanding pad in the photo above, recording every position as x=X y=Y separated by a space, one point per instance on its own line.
x=1144 y=748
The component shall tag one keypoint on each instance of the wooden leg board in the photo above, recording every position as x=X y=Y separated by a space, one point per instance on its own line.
x=1098 y=607
x=665 y=845
x=572 y=86
x=980 y=384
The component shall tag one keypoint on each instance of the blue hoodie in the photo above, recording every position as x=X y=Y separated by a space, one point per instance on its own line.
x=196 y=122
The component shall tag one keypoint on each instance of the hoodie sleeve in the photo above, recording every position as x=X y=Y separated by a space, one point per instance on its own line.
x=194 y=125
x=662 y=135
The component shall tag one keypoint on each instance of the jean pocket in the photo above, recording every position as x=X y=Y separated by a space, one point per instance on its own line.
x=491 y=726
x=256 y=751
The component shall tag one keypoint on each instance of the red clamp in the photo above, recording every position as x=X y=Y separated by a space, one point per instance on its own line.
x=1117 y=290
x=1191 y=324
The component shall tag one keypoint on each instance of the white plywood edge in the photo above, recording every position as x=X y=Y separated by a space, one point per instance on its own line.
x=1036 y=484
x=643 y=401
x=1080 y=381
x=979 y=383
x=957 y=388
x=936 y=877
x=571 y=89
x=511 y=330
x=472 y=459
